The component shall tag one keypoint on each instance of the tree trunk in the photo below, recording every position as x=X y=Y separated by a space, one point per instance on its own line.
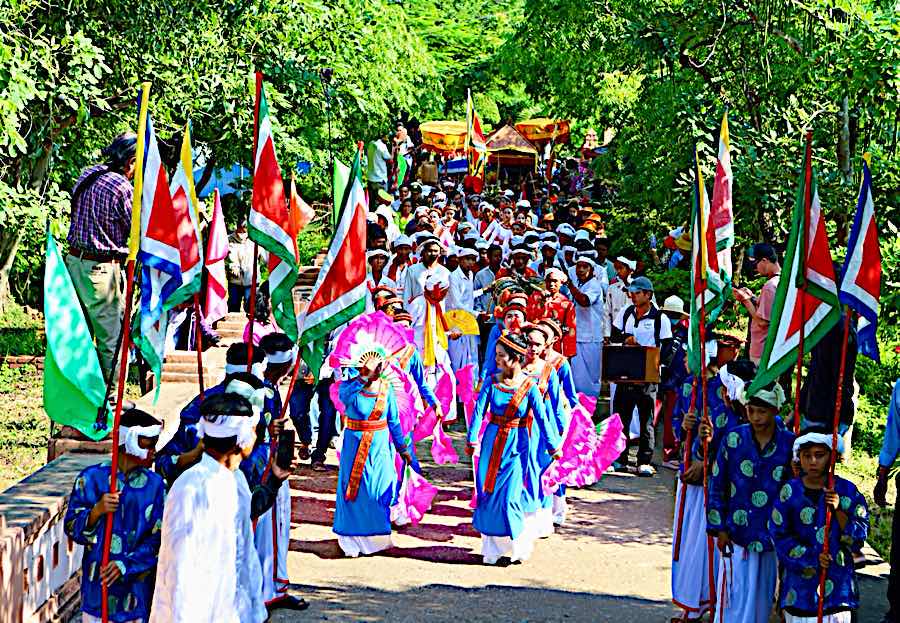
x=9 y=245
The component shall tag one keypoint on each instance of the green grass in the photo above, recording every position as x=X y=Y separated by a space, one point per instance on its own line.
x=861 y=470
x=21 y=332
x=24 y=428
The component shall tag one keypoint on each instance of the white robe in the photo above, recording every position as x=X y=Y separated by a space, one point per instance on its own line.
x=274 y=564
x=204 y=563
x=690 y=573
x=464 y=350
x=750 y=589
x=586 y=364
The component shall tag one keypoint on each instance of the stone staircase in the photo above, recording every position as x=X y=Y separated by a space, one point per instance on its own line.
x=181 y=365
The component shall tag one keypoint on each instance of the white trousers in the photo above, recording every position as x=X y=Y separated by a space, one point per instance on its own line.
x=274 y=563
x=749 y=586
x=690 y=573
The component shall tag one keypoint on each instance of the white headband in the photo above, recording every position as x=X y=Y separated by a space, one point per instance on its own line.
x=818 y=439
x=734 y=385
x=256 y=397
x=282 y=356
x=257 y=369
x=224 y=426
x=128 y=437
x=774 y=397
x=559 y=274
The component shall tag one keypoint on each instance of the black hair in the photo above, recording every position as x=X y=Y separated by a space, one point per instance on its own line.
x=494 y=248
x=137 y=417
x=602 y=240
x=519 y=341
x=250 y=379
x=275 y=342
x=374 y=231
x=744 y=369
x=763 y=251
x=122 y=149
x=237 y=354
x=217 y=405
x=583 y=245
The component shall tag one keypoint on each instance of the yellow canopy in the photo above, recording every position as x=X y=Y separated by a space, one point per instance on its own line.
x=444 y=136
x=543 y=130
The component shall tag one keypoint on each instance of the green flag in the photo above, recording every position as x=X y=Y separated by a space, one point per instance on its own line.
x=73 y=382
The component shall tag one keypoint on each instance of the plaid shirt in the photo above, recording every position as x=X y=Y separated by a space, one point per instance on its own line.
x=101 y=218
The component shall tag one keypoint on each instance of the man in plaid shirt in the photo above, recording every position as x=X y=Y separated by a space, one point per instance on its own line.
x=98 y=244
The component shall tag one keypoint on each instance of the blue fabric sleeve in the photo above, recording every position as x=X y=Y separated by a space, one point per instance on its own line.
x=478 y=414
x=891 y=444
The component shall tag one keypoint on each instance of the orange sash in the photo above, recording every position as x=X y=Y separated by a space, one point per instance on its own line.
x=368 y=428
x=504 y=424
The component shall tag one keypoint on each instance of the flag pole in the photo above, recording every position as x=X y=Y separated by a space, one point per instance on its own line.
x=705 y=419
x=117 y=416
x=839 y=399
x=801 y=288
x=252 y=310
x=689 y=440
x=199 y=344
x=134 y=237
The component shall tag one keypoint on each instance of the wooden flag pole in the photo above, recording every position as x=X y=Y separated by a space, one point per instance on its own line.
x=199 y=343
x=686 y=461
x=801 y=288
x=117 y=416
x=705 y=419
x=834 y=436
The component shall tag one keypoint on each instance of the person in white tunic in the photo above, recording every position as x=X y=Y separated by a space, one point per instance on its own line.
x=376 y=274
x=208 y=568
x=617 y=297
x=424 y=290
x=464 y=348
x=587 y=293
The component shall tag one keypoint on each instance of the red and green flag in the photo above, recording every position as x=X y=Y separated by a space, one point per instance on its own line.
x=475 y=144
x=806 y=303
x=269 y=222
x=705 y=304
x=340 y=291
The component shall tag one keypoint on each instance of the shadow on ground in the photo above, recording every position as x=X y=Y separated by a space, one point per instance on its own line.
x=438 y=603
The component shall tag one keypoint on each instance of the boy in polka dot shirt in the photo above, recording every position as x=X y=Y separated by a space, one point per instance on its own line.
x=797 y=525
x=752 y=464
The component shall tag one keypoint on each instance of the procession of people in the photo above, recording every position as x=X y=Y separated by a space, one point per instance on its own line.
x=490 y=319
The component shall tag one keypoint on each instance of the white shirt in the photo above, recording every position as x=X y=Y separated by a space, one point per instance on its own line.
x=589 y=320
x=371 y=283
x=197 y=574
x=617 y=299
x=644 y=330
x=462 y=291
x=379 y=154
x=499 y=235
x=413 y=290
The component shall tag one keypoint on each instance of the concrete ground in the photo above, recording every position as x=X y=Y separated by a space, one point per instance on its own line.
x=610 y=562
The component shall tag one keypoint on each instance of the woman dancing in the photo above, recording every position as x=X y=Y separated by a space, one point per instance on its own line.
x=512 y=403
x=367 y=477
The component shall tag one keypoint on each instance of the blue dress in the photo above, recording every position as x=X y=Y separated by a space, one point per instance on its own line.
x=500 y=512
x=364 y=508
x=135 y=540
x=541 y=452
x=744 y=484
x=567 y=381
x=797 y=526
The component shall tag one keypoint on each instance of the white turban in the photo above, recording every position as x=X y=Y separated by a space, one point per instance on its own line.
x=816 y=438
x=774 y=396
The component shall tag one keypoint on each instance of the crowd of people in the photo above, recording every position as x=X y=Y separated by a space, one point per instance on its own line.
x=492 y=314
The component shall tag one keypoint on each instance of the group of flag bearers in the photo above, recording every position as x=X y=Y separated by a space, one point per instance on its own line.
x=758 y=505
x=740 y=486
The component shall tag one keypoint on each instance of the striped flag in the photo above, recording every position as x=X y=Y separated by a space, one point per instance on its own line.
x=216 y=303
x=159 y=249
x=340 y=291
x=268 y=224
x=187 y=209
x=807 y=293
x=475 y=143
x=721 y=221
x=861 y=274
x=704 y=264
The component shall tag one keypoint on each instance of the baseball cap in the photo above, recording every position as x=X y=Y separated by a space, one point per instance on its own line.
x=763 y=251
x=640 y=284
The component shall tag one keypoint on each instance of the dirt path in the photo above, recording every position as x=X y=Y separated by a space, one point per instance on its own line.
x=610 y=562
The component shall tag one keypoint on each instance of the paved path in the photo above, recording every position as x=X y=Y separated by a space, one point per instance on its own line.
x=610 y=562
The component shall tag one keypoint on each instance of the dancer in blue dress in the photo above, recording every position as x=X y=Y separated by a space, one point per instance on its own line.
x=512 y=403
x=366 y=478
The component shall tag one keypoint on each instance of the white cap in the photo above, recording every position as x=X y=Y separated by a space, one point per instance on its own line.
x=629 y=263
x=401 y=240
x=464 y=225
x=553 y=271
x=565 y=229
x=674 y=304
x=582 y=234
x=482 y=244
x=485 y=204
x=466 y=252
x=523 y=203
x=440 y=196
x=508 y=193
x=377 y=253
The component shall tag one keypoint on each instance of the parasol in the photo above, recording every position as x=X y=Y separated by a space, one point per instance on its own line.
x=541 y=131
x=443 y=137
